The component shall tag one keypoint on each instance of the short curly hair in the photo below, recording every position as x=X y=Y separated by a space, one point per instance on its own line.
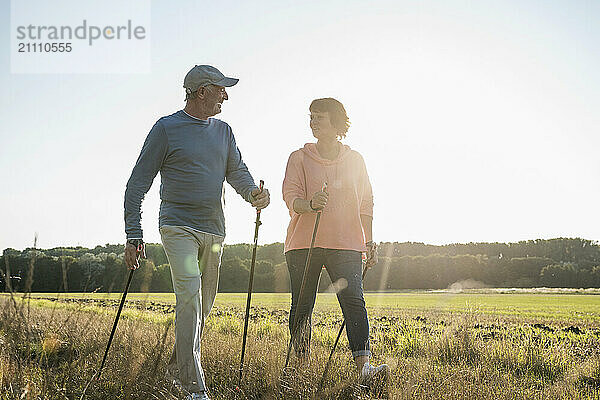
x=337 y=113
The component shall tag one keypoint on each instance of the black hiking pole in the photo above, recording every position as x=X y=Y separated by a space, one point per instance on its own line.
x=250 y=283
x=337 y=339
x=140 y=253
x=304 y=277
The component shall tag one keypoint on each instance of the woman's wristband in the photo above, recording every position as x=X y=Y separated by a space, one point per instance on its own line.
x=311 y=206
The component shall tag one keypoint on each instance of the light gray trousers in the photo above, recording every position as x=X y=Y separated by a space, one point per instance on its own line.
x=195 y=259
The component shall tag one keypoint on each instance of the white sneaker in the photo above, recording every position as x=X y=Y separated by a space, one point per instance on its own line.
x=370 y=373
x=198 y=396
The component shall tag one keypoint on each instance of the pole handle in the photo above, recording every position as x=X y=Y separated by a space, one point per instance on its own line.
x=261 y=186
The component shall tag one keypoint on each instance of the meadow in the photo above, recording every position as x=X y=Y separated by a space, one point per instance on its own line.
x=506 y=344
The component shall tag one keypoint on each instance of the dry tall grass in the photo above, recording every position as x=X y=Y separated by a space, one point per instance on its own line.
x=51 y=352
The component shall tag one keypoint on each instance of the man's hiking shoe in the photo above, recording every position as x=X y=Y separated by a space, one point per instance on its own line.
x=373 y=375
x=176 y=383
x=181 y=390
x=198 y=396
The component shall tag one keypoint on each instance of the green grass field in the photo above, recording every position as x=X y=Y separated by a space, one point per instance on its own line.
x=564 y=307
x=502 y=344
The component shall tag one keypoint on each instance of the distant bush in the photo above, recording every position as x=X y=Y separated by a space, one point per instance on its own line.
x=569 y=275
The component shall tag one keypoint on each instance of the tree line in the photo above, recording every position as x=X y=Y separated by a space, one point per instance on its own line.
x=561 y=262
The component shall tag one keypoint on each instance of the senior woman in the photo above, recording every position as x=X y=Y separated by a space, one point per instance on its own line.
x=344 y=230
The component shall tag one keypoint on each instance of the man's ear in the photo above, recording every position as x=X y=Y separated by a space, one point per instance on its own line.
x=201 y=92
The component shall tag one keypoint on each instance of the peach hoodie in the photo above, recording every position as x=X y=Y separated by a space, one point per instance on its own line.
x=350 y=195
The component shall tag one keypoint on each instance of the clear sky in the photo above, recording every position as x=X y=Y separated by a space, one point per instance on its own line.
x=478 y=120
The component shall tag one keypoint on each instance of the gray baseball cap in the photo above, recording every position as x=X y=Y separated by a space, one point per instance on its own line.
x=202 y=75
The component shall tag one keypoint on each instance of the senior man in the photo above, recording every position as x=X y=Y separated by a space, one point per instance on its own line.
x=195 y=154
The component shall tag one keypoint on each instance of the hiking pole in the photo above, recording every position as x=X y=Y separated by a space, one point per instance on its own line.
x=250 y=283
x=139 y=253
x=304 y=277
x=337 y=339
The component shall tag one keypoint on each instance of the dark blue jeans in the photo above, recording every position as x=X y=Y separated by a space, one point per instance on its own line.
x=345 y=271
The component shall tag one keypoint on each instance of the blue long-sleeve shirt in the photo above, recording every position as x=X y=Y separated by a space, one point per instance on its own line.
x=194 y=158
